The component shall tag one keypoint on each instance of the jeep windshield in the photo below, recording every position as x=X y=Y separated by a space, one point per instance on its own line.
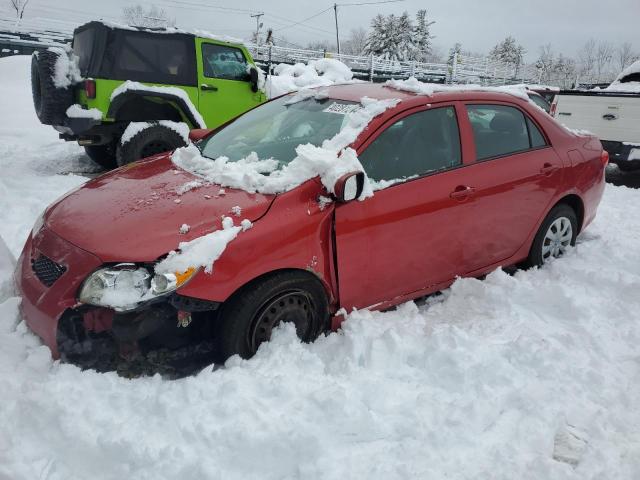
x=275 y=129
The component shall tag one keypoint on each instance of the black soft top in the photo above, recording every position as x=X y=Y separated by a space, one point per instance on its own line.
x=140 y=54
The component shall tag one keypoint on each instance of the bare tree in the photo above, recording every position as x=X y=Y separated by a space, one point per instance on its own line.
x=19 y=6
x=153 y=17
x=545 y=63
x=604 y=55
x=625 y=55
x=354 y=45
x=587 y=56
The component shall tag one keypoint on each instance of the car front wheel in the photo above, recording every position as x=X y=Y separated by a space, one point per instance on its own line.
x=556 y=234
x=248 y=318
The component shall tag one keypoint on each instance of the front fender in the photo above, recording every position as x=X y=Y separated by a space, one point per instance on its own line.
x=296 y=233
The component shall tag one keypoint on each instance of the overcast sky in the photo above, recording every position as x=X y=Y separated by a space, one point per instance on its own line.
x=478 y=25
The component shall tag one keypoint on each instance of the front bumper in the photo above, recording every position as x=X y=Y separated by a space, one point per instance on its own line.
x=42 y=305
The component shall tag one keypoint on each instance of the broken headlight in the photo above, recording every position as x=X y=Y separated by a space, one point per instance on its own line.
x=126 y=286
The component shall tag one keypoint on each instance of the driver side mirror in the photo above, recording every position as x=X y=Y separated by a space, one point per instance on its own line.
x=349 y=187
x=199 y=133
x=253 y=78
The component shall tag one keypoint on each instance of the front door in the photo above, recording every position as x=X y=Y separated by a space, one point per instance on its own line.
x=405 y=238
x=223 y=82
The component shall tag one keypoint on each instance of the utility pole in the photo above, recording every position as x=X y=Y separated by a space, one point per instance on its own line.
x=258 y=25
x=335 y=13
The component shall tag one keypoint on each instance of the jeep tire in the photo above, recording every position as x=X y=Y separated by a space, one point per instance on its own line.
x=49 y=101
x=103 y=155
x=149 y=141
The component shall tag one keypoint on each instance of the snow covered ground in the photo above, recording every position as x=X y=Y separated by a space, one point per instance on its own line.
x=530 y=376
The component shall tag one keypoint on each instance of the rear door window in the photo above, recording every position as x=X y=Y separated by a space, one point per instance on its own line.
x=224 y=62
x=537 y=139
x=157 y=58
x=498 y=130
x=418 y=144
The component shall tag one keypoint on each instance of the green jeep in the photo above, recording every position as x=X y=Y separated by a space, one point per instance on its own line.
x=127 y=93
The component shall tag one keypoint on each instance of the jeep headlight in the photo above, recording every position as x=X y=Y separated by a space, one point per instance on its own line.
x=126 y=286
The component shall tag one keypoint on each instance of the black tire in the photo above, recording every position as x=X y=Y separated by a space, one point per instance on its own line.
x=632 y=166
x=147 y=142
x=249 y=316
x=49 y=101
x=103 y=155
x=562 y=210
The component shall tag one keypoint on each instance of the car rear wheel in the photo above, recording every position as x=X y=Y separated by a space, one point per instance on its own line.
x=248 y=318
x=556 y=234
x=103 y=155
x=149 y=141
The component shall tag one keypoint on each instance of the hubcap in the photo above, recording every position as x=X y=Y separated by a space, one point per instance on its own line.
x=295 y=307
x=557 y=238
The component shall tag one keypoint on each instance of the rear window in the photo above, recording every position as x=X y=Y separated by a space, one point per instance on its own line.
x=83 y=43
x=148 y=57
x=498 y=130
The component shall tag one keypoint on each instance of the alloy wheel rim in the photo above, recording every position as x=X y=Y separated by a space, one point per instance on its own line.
x=294 y=306
x=557 y=239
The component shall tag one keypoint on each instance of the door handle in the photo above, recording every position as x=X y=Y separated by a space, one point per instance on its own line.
x=461 y=192
x=547 y=169
x=211 y=88
x=609 y=116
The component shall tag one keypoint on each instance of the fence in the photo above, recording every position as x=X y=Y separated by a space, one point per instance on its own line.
x=461 y=68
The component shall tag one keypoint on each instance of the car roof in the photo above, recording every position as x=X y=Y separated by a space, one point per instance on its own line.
x=355 y=91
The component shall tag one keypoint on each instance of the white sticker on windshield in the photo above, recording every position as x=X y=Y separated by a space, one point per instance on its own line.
x=342 y=108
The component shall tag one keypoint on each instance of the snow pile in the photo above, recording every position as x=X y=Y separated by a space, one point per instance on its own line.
x=202 y=251
x=317 y=73
x=329 y=161
x=633 y=87
x=413 y=85
x=175 y=91
x=7 y=265
x=66 y=71
x=76 y=111
x=134 y=128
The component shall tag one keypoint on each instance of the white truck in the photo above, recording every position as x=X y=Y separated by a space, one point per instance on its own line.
x=612 y=114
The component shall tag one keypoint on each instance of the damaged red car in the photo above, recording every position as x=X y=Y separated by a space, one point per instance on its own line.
x=456 y=183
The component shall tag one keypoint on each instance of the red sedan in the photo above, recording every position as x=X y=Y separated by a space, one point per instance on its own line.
x=205 y=251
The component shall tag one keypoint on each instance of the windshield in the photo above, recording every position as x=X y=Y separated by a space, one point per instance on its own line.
x=275 y=129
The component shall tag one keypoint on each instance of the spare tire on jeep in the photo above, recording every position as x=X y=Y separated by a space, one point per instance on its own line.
x=146 y=140
x=50 y=101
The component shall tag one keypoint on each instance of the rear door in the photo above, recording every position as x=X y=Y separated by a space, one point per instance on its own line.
x=405 y=238
x=223 y=82
x=516 y=175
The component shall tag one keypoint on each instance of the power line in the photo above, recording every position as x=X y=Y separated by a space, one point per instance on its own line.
x=368 y=3
x=305 y=20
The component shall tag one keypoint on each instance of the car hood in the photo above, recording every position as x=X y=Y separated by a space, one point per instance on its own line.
x=135 y=213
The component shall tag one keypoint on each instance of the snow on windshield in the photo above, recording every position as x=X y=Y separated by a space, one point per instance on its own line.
x=332 y=159
x=626 y=86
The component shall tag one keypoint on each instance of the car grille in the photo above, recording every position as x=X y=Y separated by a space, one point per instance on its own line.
x=47 y=270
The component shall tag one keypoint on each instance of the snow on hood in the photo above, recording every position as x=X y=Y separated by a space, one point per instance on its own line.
x=618 y=86
x=316 y=73
x=414 y=85
x=329 y=161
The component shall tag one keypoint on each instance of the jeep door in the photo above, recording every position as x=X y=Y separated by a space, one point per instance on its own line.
x=223 y=81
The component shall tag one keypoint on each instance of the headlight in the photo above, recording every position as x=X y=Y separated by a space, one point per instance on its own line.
x=126 y=286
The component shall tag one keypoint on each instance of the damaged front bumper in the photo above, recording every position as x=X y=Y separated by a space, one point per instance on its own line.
x=172 y=336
